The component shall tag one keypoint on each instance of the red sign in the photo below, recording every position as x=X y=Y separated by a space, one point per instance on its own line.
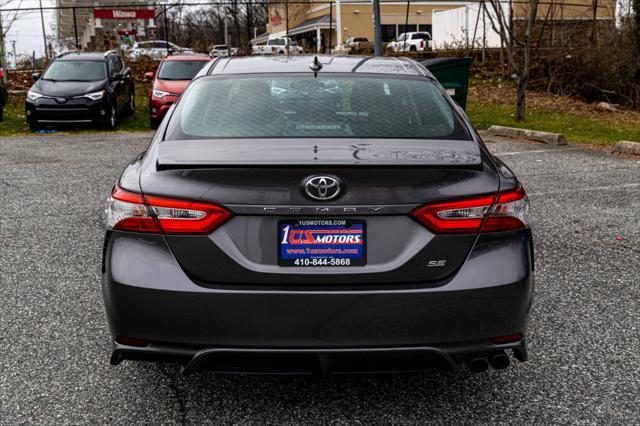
x=124 y=13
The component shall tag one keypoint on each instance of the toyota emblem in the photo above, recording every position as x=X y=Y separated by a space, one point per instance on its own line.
x=322 y=188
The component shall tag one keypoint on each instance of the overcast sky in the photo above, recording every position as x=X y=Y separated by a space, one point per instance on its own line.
x=27 y=29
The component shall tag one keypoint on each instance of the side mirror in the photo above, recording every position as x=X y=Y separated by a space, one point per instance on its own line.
x=35 y=76
x=150 y=75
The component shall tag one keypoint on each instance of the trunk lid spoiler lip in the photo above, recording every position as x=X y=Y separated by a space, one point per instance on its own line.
x=202 y=153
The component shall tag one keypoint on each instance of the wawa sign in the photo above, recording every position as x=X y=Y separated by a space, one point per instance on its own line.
x=124 y=13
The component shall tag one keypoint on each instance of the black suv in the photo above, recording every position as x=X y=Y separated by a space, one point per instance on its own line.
x=81 y=87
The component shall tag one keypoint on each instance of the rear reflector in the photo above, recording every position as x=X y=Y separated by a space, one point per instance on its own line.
x=501 y=340
x=477 y=214
x=128 y=211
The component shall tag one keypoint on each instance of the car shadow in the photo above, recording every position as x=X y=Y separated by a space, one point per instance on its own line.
x=349 y=397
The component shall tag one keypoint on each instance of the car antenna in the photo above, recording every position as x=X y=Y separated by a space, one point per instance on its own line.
x=315 y=66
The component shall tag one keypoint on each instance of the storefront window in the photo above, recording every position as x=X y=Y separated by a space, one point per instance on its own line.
x=407 y=29
x=388 y=33
x=425 y=28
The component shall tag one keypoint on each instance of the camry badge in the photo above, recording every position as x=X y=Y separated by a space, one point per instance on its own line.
x=322 y=188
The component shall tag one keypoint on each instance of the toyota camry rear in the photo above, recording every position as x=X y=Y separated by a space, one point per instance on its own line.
x=328 y=214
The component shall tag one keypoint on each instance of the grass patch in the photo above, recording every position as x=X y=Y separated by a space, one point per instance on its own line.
x=15 y=123
x=575 y=126
x=493 y=102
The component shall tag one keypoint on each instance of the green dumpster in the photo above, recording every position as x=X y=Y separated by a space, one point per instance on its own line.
x=453 y=74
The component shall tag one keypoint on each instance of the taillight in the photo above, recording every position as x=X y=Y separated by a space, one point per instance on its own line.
x=478 y=214
x=421 y=43
x=501 y=340
x=128 y=211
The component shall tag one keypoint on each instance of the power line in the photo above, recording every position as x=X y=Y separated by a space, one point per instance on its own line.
x=271 y=2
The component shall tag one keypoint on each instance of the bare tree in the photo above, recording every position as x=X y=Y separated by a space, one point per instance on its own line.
x=516 y=41
x=13 y=16
x=636 y=12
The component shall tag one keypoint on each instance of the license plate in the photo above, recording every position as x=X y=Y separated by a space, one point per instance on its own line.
x=322 y=242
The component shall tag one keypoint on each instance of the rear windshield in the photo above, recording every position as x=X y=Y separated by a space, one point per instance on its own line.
x=180 y=70
x=76 y=71
x=303 y=106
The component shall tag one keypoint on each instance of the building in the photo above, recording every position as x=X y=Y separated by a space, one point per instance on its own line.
x=315 y=25
x=310 y=23
x=106 y=30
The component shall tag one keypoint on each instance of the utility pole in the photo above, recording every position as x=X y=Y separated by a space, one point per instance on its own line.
x=406 y=26
x=3 y=56
x=330 y=25
x=166 y=30
x=286 y=19
x=377 y=29
x=226 y=34
x=338 y=26
x=75 y=28
x=44 y=34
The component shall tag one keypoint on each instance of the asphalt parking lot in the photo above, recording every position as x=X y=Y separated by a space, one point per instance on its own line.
x=584 y=330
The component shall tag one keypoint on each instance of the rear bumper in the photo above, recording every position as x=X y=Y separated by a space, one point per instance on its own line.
x=148 y=296
x=321 y=361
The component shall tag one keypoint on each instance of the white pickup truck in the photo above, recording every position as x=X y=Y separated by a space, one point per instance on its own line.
x=278 y=46
x=410 y=42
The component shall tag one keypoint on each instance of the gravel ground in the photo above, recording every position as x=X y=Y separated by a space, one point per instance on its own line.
x=54 y=368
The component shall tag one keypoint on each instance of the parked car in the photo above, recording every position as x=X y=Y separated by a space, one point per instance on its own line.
x=4 y=95
x=356 y=44
x=278 y=46
x=155 y=50
x=81 y=87
x=172 y=77
x=220 y=50
x=317 y=215
x=411 y=42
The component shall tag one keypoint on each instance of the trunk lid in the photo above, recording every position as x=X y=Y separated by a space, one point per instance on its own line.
x=262 y=183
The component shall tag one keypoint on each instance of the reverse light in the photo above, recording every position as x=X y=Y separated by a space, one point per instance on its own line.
x=95 y=95
x=32 y=96
x=504 y=211
x=128 y=211
x=160 y=93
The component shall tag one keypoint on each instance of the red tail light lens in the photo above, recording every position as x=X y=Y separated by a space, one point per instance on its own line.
x=127 y=211
x=500 y=340
x=478 y=214
x=187 y=217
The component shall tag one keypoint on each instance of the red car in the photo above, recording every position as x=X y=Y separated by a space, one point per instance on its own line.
x=173 y=75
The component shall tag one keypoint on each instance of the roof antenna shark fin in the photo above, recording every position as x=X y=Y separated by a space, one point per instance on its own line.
x=315 y=66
